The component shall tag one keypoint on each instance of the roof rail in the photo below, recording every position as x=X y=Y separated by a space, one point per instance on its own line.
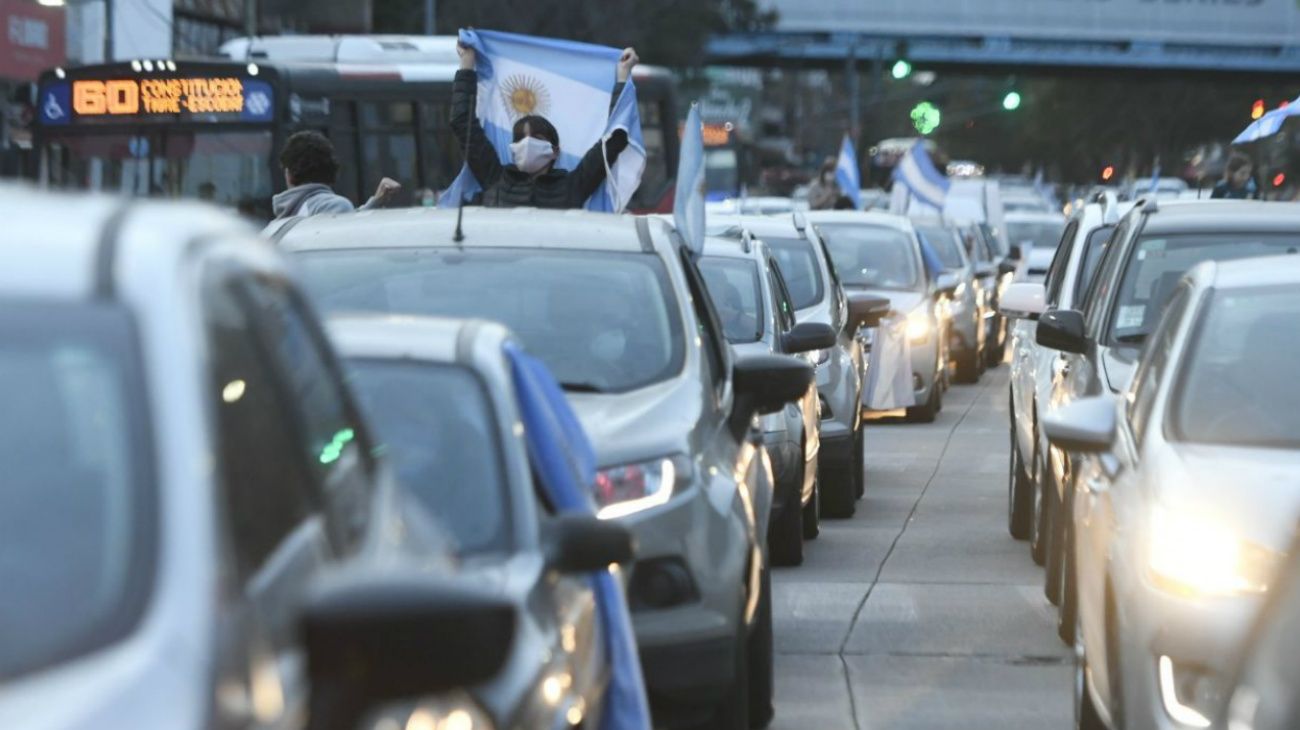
x=800 y=222
x=1149 y=205
x=746 y=241
x=1109 y=207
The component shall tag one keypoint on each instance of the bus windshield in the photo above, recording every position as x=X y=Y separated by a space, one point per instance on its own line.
x=227 y=167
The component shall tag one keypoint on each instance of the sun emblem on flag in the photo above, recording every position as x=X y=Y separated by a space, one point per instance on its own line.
x=524 y=95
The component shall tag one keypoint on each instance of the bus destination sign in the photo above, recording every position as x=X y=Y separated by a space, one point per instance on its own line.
x=198 y=99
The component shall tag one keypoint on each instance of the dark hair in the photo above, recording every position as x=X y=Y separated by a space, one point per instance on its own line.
x=309 y=157
x=540 y=127
x=828 y=165
x=844 y=202
x=1236 y=162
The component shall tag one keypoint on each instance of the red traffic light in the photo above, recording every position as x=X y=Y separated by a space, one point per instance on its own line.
x=1107 y=172
x=1257 y=109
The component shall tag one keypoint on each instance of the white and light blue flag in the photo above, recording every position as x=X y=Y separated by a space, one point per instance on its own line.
x=1269 y=124
x=917 y=174
x=1155 y=178
x=846 y=173
x=570 y=84
x=688 y=203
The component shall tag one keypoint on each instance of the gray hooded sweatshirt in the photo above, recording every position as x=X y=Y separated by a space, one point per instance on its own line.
x=312 y=199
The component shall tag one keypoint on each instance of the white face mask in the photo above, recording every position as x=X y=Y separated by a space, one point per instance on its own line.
x=532 y=155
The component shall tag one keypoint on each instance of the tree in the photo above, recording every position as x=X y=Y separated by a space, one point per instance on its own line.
x=665 y=32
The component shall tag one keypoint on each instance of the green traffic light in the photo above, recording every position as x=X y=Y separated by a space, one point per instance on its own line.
x=1011 y=101
x=926 y=117
x=902 y=69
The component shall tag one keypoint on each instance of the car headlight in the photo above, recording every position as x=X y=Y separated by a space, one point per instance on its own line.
x=1195 y=555
x=819 y=357
x=623 y=490
x=452 y=711
x=918 y=325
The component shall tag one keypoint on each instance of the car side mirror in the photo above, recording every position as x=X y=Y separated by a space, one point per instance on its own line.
x=764 y=384
x=373 y=637
x=578 y=543
x=807 y=337
x=1023 y=300
x=1086 y=426
x=866 y=310
x=946 y=284
x=1062 y=329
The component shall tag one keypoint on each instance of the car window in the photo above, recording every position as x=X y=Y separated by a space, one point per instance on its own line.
x=945 y=243
x=799 y=267
x=874 y=256
x=737 y=296
x=330 y=436
x=712 y=340
x=1239 y=382
x=265 y=486
x=1093 y=250
x=436 y=426
x=601 y=321
x=784 y=305
x=77 y=501
x=1056 y=271
x=1158 y=262
x=1150 y=372
x=1099 y=291
x=1042 y=235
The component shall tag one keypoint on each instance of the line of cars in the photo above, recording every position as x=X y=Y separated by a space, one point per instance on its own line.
x=1153 y=455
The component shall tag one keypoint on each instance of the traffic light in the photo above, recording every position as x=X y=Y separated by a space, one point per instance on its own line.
x=1107 y=172
x=901 y=70
x=926 y=117
x=1257 y=109
x=1279 y=179
x=1011 y=101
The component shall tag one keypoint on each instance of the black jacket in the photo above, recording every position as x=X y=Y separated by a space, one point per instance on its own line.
x=506 y=186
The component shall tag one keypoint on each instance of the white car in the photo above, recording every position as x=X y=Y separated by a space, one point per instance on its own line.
x=1085 y=239
x=1037 y=234
x=1187 y=497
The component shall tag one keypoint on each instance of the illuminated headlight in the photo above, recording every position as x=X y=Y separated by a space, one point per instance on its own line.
x=623 y=490
x=819 y=357
x=1195 y=555
x=453 y=711
x=918 y=325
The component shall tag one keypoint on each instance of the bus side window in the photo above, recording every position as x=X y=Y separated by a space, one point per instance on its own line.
x=441 y=154
x=655 y=178
x=388 y=147
x=343 y=133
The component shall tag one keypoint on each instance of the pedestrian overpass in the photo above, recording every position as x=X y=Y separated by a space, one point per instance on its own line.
x=1242 y=36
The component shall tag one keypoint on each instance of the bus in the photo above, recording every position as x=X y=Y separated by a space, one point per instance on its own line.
x=212 y=128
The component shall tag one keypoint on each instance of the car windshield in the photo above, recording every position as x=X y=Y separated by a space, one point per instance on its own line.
x=798 y=262
x=1156 y=264
x=873 y=256
x=602 y=322
x=436 y=426
x=1239 y=384
x=76 y=504
x=1042 y=235
x=1094 y=248
x=736 y=294
x=945 y=244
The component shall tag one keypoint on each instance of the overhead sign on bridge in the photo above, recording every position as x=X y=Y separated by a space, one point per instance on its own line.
x=1233 y=35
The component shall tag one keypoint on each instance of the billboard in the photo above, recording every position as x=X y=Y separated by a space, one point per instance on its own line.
x=1229 y=22
x=32 y=39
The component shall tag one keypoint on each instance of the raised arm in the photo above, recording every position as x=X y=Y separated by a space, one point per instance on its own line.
x=482 y=158
x=590 y=172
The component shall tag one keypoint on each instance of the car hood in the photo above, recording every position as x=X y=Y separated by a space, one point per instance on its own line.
x=1254 y=492
x=1117 y=365
x=641 y=424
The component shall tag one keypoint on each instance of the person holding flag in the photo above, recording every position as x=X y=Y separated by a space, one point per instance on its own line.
x=533 y=176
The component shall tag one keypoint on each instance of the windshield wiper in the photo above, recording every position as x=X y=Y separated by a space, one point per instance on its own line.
x=1133 y=338
x=581 y=388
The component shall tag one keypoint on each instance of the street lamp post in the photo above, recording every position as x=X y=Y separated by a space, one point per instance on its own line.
x=430 y=16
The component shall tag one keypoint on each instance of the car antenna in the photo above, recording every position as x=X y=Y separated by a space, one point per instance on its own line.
x=458 y=236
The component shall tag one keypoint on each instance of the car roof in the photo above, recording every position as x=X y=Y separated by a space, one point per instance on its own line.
x=760 y=225
x=731 y=248
x=410 y=337
x=482 y=228
x=864 y=217
x=1033 y=216
x=1252 y=272
x=1220 y=216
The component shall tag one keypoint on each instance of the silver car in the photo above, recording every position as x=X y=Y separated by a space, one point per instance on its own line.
x=617 y=310
x=1187 y=497
x=968 y=303
x=193 y=520
x=757 y=314
x=442 y=398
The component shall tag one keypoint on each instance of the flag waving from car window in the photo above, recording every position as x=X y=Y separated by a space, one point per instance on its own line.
x=846 y=173
x=688 y=205
x=920 y=178
x=568 y=83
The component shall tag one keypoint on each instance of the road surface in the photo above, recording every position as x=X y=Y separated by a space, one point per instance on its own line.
x=921 y=611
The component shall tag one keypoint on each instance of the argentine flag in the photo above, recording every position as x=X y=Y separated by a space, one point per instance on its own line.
x=1269 y=124
x=570 y=84
x=919 y=177
x=846 y=173
x=688 y=203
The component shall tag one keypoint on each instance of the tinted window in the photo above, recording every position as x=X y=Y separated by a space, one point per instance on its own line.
x=1093 y=250
x=737 y=297
x=799 y=266
x=1157 y=263
x=1151 y=371
x=265 y=486
x=706 y=321
x=1056 y=272
x=945 y=243
x=435 y=424
x=76 y=497
x=600 y=321
x=1239 y=386
x=873 y=256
